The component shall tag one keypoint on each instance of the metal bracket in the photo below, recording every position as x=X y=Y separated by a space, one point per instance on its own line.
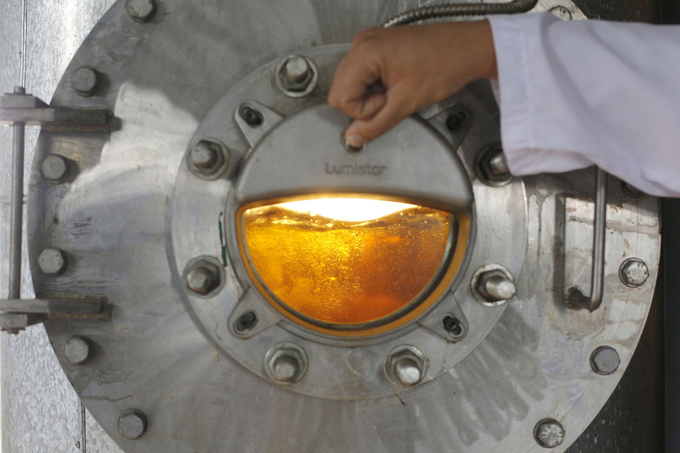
x=19 y=110
x=575 y=298
x=17 y=314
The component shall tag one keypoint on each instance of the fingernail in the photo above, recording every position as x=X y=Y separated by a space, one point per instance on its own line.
x=354 y=140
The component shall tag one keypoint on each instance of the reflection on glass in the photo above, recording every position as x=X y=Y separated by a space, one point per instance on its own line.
x=346 y=260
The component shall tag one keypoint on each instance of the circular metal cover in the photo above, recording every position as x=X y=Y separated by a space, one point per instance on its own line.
x=131 y=217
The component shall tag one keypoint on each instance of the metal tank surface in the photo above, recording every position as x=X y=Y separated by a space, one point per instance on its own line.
x=175 y=119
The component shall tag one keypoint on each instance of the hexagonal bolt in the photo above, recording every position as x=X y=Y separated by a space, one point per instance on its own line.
x=454 y=327
x=549 y=433
x=52 y=262
x=85 y=81
x=208 y=159
x=633 y=272
x=132 y=424
x=78 y=350
x=296 y=76
x=605 y=360
x=491 y=166
x=295 y=73
x=494 y=286
x=561 y=12
x=286 y=363
x=205 y=154
x=54 y=169
x=497 y=164
x=246 y=322
x=204 y=276
x=141 y=10
x=405 y=366
x=201 y=280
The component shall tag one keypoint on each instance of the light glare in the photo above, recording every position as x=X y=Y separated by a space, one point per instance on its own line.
x=347 y=209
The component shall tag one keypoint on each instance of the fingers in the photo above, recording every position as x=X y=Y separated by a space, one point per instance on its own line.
x=396 y=108
x=354 y=86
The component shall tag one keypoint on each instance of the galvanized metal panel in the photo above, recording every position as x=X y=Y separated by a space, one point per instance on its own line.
x=39 y=407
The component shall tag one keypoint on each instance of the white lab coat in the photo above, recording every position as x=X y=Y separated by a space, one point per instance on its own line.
x=574 y=94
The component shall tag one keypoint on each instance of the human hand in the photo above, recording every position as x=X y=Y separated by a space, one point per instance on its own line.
x=391 y=73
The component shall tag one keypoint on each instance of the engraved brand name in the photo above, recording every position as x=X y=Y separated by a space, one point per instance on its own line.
x=356 y=169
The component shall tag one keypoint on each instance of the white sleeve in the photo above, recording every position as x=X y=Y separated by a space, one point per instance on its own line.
x=574 y=94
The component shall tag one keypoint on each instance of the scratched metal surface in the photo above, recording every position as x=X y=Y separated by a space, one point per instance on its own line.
x=39 y=406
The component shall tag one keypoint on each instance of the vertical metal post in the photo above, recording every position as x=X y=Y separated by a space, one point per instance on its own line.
x=17 y=206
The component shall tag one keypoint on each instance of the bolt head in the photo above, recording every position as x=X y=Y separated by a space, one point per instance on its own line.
x=491 y=166
x=54 y=169
x=204 y=154
x=405 y=366
x=498 y=166
x=633 y=272
x=201 y=280
x=132 y=424
x=285 y=368
x=85 y=81
x=296 y=76
x=141 y=10
x=52 y=262
x=605 y=360
x=78 y=350
x=494 y=286
x=296 y=72
x=549 y=433
x=407 y=372
x=286 y=363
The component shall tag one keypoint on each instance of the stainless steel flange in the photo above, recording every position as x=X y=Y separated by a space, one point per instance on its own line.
x=131 y=216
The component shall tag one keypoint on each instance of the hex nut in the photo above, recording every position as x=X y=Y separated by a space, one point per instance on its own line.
x=493 y=285
x=141 y=10
x=85 y=81
x=405 y=366
x=549 y=433
x=54 y=169
x=605 y=360
x=286 y=363
x=296 y=76
x=204 y=277
x=491 y=167
x=52 y=262
x=132 y=424
x=633 y=272
x=78 y=350
x=208 y=159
